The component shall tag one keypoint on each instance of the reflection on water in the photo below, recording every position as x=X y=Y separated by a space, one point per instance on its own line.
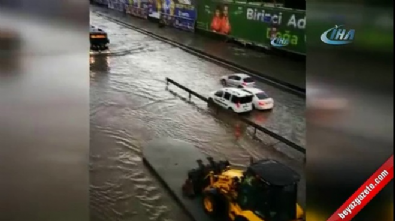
x=9 y=65
x=99 y=62
x=43 y=114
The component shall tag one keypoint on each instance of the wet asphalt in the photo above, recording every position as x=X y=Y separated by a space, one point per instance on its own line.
x=131 y=105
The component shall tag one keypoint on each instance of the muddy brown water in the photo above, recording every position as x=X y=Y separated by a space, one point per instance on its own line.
x=130 y=105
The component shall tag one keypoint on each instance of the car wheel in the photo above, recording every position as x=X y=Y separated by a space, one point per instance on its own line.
x=223 y=82
x=240 y=86
x=231 y=109
x=214 y=205
x=241 y=218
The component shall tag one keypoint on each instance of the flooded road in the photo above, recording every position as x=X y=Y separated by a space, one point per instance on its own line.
x=130 y=105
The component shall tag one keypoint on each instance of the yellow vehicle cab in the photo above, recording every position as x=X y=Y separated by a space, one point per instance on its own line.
x=265 y=191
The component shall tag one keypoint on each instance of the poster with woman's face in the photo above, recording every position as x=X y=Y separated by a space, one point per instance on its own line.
x=225 y=10
x=220 y=21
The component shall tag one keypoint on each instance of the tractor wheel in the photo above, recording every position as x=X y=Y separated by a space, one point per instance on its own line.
x=214 y=205
x=188 y=189
x=241 y=218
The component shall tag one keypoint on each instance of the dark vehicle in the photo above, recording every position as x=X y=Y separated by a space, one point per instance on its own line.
x=98 y=39
x=10 y=40
x=265 y=191
x=11 y=44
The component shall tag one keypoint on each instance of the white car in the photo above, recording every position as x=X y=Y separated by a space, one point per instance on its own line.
x=237 y=80
x=233 y=99
x=261 y=100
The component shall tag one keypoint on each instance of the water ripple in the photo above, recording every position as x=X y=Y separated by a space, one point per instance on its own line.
x=130 y=105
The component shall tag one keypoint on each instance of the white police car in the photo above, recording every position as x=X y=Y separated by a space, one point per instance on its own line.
x=234 y=99
x=261 y=100
x=239 y=80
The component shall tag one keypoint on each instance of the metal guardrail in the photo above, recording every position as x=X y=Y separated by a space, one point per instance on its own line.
x=191 y=92
x=245 y=120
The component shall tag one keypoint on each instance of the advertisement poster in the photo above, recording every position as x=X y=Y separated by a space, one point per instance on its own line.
x=180 y=16
x=177 y=13
x=154 y=8
x=111 y=5
x=102 y=2
x=138 y=8
x=254 y=24
x=116 y=5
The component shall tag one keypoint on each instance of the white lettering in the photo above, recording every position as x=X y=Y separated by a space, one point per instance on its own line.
x=292 y=21
x=297 y=23
x=302 y=23
x=358 y=200
x=262 y=16
x=250 y=14
x=340 y=34
x=275 y=19
x=280 y=18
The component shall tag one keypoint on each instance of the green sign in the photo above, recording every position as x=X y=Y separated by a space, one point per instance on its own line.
x=254 y=24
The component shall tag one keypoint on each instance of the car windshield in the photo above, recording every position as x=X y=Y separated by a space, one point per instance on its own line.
x=248 y=80
x=251 y=195
x=242 y=100
x=282 y=202
x=261 y=95
x=279 y=201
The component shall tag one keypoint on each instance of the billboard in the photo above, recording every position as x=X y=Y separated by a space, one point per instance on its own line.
x=116 y=5
x=138 y=8
x=101 y=2
x=180 y=14
x=254 y=24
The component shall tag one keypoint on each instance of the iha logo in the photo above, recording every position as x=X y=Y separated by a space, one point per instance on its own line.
x=279 y=42
x=338 y=36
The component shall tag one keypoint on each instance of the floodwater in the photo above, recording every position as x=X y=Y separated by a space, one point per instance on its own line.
x=131 y=105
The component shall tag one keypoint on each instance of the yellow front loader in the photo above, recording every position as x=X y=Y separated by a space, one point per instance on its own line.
x=265 y=191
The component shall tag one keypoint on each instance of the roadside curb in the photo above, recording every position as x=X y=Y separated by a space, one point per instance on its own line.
x=202 y=54
x=176 y=171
